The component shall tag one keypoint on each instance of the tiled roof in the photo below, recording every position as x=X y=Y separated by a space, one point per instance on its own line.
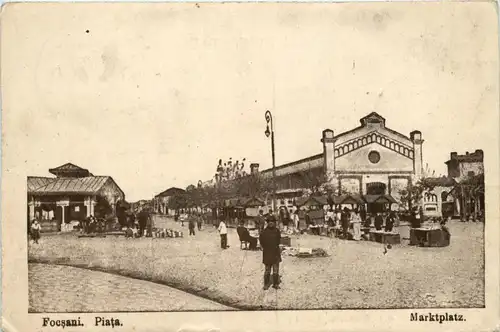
x=170 y=192
x=35 y=182
x=68 y=167
x=86 y=185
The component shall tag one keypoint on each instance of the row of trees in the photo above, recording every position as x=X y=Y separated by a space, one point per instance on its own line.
x=232 y=180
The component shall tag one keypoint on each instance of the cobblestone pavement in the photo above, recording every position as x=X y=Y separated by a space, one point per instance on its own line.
x=56 y=288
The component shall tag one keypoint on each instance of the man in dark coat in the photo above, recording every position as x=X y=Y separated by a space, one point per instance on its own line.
x=271 y=253
x=344 y=219
x=143 y=221
x=379 y=221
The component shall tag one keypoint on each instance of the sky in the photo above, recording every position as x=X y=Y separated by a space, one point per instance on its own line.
x=155 y=94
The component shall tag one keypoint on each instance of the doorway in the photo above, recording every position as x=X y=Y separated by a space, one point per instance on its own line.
x=376 y=189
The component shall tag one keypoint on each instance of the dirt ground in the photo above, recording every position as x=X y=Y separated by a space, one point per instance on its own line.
x=355 y=275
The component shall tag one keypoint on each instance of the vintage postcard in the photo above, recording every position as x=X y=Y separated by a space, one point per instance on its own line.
x=250 y=166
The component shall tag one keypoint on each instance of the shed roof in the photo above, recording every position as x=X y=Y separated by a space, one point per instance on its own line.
x=85 y=185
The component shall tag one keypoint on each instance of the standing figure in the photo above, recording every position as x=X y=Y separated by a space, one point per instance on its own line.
x=379 y=221
x=260 y=221
x=356 y=225
x=344 y=219
x=223 y=235
x=35 y=231
x=191 y=226
x=296 y=220
x=271 y=254
x=286 y=219
x=131 y=219
x=143 y=221
x=199 y=221
x=389 y=222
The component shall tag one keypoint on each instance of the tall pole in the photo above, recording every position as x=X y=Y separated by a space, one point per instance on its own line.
x=270 y=131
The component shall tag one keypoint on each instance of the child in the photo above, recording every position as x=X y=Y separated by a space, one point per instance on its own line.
x=35 y=230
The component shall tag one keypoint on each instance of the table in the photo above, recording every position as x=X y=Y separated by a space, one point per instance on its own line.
x=429 y=237
x=385 y=237
x=285 y=240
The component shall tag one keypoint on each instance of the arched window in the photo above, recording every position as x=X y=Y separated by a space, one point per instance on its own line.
x=363 y=141
x=444 y=196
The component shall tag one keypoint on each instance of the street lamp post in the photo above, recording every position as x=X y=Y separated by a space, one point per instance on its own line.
x=270 y=132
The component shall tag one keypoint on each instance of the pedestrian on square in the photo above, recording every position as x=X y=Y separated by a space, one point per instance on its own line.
x=271 y=254
x=131 y=219
x=260 y=221
x=356 y=225
x=191 y=226
x=344 y=218
x=199 y=221
x=271 y=217
x=223 y=234
x=379 y=221
x=286 y=220
x=143 y=221
x=307 y=218
x=389 y=222
x=296 y=220
x=35 y=230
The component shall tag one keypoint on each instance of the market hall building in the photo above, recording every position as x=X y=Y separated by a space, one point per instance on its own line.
x=370 y=161
x=72 y=195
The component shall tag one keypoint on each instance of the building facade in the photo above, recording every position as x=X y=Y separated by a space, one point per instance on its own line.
x=462 y=166
x=370 y=159
x=160 y=201
x=72 y=195
x=439 y=201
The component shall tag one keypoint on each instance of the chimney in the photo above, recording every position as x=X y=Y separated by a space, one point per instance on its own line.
x=453 y=155
x=254 y=168
x=467 y=153
x=479 y=152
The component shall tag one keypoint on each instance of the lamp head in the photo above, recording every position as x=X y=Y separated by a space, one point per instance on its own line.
x=267 y=132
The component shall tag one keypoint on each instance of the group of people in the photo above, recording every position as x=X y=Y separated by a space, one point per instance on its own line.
x=140 y=225
x=194 y=221
x=92 y=224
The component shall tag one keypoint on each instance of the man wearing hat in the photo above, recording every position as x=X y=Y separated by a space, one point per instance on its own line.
x=271 y=253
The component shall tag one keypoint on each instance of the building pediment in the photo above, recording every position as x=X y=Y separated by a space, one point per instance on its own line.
x=374 y=137
x=372 y=118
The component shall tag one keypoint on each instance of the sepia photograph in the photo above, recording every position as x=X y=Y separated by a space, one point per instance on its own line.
x=223 y=157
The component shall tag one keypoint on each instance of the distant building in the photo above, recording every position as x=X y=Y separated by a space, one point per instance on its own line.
x=439 y=201
x=72 y=195
x=160 y=201
x=462 y=166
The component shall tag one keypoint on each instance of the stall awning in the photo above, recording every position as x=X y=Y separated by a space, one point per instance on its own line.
x=382 y=199
x=253 y=202
x=312 y=201
x=349 y=199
